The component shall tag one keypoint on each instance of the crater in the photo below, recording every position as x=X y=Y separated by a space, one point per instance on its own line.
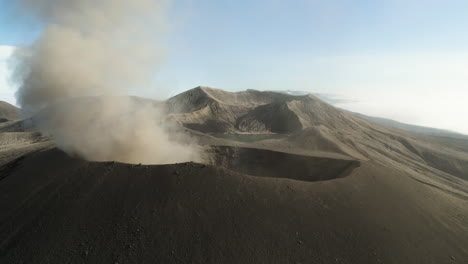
x=273 y=164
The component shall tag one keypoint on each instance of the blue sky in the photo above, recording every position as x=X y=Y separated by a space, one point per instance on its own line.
x=406 y=60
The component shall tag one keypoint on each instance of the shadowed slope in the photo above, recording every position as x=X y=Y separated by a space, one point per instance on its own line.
x=304 y=124
x=58 y=209
x=311 y=125
x=274 y=117
x=213 y=111
x=8 y=112
x=266 y=163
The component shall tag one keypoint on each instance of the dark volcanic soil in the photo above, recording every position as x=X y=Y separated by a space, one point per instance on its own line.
x=56 y=209
x=292 y=180
x=274 y=164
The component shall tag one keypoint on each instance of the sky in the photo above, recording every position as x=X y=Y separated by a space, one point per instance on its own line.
x=398 y=59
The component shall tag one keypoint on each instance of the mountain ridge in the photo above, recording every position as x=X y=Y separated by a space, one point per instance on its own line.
x=329 y=188
x=8 y=112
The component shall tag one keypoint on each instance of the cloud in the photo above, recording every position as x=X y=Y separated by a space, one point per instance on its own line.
x=100 y=48
x=334 y=99
x=428 y=89
x=6 y=52
x=7 y=89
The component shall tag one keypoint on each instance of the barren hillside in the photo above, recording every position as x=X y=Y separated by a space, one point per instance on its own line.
x=8 y=112
x=285 y=179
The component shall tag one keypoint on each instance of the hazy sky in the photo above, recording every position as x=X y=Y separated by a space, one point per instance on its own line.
x=401 y=59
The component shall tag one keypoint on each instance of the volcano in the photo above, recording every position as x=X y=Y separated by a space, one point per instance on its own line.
x=282 y=179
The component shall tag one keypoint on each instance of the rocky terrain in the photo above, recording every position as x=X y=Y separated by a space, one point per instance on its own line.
x=283 y=179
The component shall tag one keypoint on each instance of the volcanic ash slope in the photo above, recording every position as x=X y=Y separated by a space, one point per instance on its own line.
x=321 y=186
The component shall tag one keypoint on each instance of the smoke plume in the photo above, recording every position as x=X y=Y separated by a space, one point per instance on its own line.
x=89 y=55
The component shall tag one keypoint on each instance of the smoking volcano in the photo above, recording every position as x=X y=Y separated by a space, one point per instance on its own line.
x=98 y=48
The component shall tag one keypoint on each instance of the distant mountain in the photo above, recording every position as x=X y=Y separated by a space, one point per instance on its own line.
x=311 y=124
x=329 y=98
x=296 y=93
x=8 y=112
x=211 y=110
x=333 y=99
x=412 y=128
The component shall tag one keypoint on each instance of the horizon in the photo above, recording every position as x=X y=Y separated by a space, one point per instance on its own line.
x=402 y=61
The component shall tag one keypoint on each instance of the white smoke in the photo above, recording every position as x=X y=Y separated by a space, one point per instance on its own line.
x=98 y=48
